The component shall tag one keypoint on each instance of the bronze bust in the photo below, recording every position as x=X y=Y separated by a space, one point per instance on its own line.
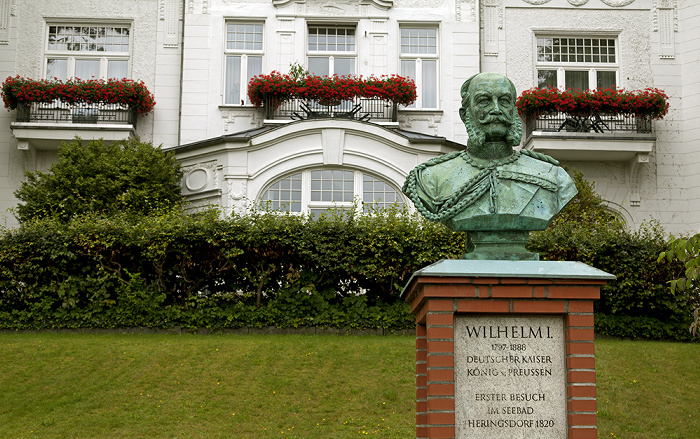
x=489 y=190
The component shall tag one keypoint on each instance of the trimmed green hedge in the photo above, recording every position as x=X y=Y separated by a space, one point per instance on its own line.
x=269 y=269
x=264 y=269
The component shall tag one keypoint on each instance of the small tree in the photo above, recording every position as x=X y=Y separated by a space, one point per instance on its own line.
x=126 y=176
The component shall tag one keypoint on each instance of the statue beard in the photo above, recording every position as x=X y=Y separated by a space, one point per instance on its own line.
x=477 y=137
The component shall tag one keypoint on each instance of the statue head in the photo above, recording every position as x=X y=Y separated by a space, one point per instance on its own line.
x=489 y=112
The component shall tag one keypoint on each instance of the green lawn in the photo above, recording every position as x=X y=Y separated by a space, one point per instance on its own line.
x=274 y=386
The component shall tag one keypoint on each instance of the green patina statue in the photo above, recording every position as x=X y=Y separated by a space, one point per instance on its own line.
x=489 y=190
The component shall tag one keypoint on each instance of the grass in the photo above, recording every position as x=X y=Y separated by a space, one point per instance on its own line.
x=268 y=386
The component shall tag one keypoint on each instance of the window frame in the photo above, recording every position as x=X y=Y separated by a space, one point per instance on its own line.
x=561 y=67
x=307 y=205
x=331 y=54
x=244 y=55
x=72 y=56
x=418 y=59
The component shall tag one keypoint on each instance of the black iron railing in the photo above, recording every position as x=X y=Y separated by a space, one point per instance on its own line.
x=363 y=109
x=597 y=123
x=80 y=112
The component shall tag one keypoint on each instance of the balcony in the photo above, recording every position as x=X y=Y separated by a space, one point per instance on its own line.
x=599 y=137
x=44 y=125
x=357 y=108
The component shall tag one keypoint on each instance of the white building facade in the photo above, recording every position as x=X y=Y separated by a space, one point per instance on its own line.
x=197 y=56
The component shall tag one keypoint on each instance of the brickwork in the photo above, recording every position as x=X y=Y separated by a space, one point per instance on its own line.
x=435 y=300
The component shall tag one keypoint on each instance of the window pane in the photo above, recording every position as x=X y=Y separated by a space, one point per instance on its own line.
x=605 y=80
x=319 y=66
x=57 y=68
x=254 y=69
x=87 y=68
x=378 y=193
x=285 y=194
x=244 y=36
x=332 y=186
x=344 y=66
x=576 y=79
x=233 y=80
x=117 y=69
x=546 y=78
x=429 y=90
x=408 y=69
x=418 y=41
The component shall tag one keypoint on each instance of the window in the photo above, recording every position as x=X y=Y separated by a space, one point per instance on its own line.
x=577 y=62
x=244 y=48
x=314 y=191
x=87 y=51
x=419 y=61
x=331 y=50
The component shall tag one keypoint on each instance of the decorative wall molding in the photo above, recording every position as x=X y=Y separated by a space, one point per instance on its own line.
x=335 y=7
x=579 y=2
x=465 y=10
x=537 y=2
x=665 y=22
x=237 y=194
x=233 y=115
x=171 y=16
x=5 y=12
x=617 y=3
x=491 y=24
x=635 y=167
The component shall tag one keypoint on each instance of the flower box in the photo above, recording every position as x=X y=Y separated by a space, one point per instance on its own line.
x=126 y=92
x=329 y=89
x=649 y=103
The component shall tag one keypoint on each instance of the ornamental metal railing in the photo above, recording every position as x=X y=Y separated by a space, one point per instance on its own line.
x=78 y=112
x=363 y=109
x=596 y=123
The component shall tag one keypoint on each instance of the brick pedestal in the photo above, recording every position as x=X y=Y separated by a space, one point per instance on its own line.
x=452 y=287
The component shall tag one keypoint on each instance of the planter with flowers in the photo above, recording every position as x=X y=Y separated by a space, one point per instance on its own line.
x=81 y=99
x=312 y=92
x=551 y=109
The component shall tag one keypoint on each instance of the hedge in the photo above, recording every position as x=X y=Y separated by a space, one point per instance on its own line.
x=264 y=269
x=270 y=269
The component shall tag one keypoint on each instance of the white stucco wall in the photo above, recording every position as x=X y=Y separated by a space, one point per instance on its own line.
x=151 y=61
x=232 y=175
x=663 y=180
x=285 y=29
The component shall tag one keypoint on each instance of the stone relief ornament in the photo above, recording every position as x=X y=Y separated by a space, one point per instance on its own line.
x=333 y=7
x=537 y=2
x=578 y=2
x=617 y=3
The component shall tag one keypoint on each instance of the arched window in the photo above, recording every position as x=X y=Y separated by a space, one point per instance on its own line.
x=316 y=190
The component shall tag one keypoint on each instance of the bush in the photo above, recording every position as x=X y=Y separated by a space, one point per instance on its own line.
x=125 y=176
x=168 y=269
x=586 y=231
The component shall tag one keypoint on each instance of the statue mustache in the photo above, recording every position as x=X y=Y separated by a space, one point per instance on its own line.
x=491 y=118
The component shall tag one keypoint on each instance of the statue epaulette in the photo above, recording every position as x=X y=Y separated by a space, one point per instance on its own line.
x=539 y=156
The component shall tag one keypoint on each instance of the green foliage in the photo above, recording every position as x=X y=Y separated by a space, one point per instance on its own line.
x=586 y=231
x=125 y=176
x=168 y=269
x=686 y=251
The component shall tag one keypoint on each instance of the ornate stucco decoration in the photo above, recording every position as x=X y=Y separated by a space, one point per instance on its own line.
x=665 y=22
x=579 y=2
x=491 y=12
x=617 y=3
x=237 y=201
x=537 y=2
x=465 y=10
x=335 y=7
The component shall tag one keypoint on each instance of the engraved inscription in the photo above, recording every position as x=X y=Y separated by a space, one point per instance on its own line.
x=510 y=377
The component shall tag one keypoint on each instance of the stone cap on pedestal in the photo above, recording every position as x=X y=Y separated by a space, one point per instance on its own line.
x=509 y=269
